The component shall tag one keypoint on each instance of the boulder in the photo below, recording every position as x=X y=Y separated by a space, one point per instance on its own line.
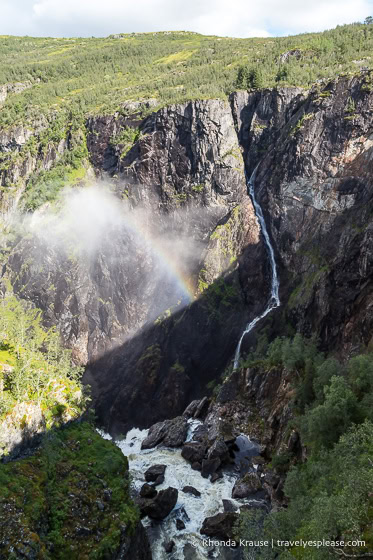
x=191 y=490
x=197 y=408
x=180 y=525
x=160 y=506
x=170 y=433
x=229 y=506
x=193 y=451
x=220 y=525
x=216 y=476
x=148 y=491
x=219 y=450
x=246 y=486
x=168 y=546
x=159 y=480
x=210 y=466
x=154 y=472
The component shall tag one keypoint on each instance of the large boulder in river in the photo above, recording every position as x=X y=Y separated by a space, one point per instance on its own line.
x=154 y=472
x=160 y=506
x=210 y=466
x=191 y=490
x=148 y=491
x=246 y=486
x=170 y=433
x=220 y=526
x=193 y=451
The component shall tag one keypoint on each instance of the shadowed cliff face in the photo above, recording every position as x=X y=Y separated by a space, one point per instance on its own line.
x=315 y=184
x=185 y=170
x=182 y=193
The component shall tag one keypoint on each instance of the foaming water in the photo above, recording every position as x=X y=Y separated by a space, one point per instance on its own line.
x=275 y=298
x=190 y=509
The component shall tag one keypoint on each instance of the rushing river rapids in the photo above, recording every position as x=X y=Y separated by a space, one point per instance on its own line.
x=189 y=543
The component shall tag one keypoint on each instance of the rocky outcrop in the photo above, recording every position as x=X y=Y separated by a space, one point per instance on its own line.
x=170 y=433
x=64 y=488
x=314 y=182
x=220 y=526
x=183 y=164
x=246 y=486
x=160 y=506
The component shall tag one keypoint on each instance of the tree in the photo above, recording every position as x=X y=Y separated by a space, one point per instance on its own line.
x=368 y=20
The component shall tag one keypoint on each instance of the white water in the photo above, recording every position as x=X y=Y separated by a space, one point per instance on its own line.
x=275 y=299
x=192 y=510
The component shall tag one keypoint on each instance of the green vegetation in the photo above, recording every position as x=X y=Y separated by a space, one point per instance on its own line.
x=34 y=368
x=79 y=76
x=70 y=501
x=126 y=139
x=331 y=493
x=69 y=79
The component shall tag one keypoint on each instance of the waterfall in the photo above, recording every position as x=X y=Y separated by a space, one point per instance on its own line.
x=274 y=299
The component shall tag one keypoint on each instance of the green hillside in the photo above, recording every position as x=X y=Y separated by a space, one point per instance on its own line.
x=96 y=75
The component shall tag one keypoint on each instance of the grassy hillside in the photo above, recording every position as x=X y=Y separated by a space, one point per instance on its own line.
x=96 y=75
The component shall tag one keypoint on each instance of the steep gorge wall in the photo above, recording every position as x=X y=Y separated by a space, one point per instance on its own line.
x=186 y=168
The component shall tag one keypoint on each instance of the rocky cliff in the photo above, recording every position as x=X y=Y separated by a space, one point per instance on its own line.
x=185 y=166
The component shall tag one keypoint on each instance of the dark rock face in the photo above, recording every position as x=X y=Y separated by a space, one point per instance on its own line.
x=192 y=490
x=160 y=506
x=170 y=433
x=154 y=472
x=193 y=452
x=220 y=525
x=148 y=491
x=180 y=525
x=246 y=486
x=169 y=546
x=315 y=183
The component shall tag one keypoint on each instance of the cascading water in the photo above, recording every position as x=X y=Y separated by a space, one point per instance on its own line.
x=275 y=299
x=190 y=509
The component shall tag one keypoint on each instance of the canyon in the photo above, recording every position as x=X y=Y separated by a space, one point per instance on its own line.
x=153 y=339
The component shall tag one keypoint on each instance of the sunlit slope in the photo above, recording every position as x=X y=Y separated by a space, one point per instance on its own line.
x=96 y=75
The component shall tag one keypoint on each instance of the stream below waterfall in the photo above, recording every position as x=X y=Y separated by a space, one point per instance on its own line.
x=274 y=300
x=190 y=509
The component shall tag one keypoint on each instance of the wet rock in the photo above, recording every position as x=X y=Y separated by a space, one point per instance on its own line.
x=247 y=485
x=148 y=491
x=193 y=452
x=168 y=546
x=219 y=450
x=154 y=472
x=191 y=490
x=201 y=407
x=107 y=494
x=180 y=525
x=220 y=525
x=100 y=505
x=196 y=466
x=160 y=506
x=210 y=466
x=159 y=480
x=191 y=408
x=216 y=476
x=200 y=433
x=170 y=433
x=229 y=506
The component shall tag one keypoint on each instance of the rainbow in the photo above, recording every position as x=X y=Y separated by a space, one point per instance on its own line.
x=182 y=281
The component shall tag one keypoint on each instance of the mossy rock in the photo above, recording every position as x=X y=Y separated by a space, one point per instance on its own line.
x=68 y=501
